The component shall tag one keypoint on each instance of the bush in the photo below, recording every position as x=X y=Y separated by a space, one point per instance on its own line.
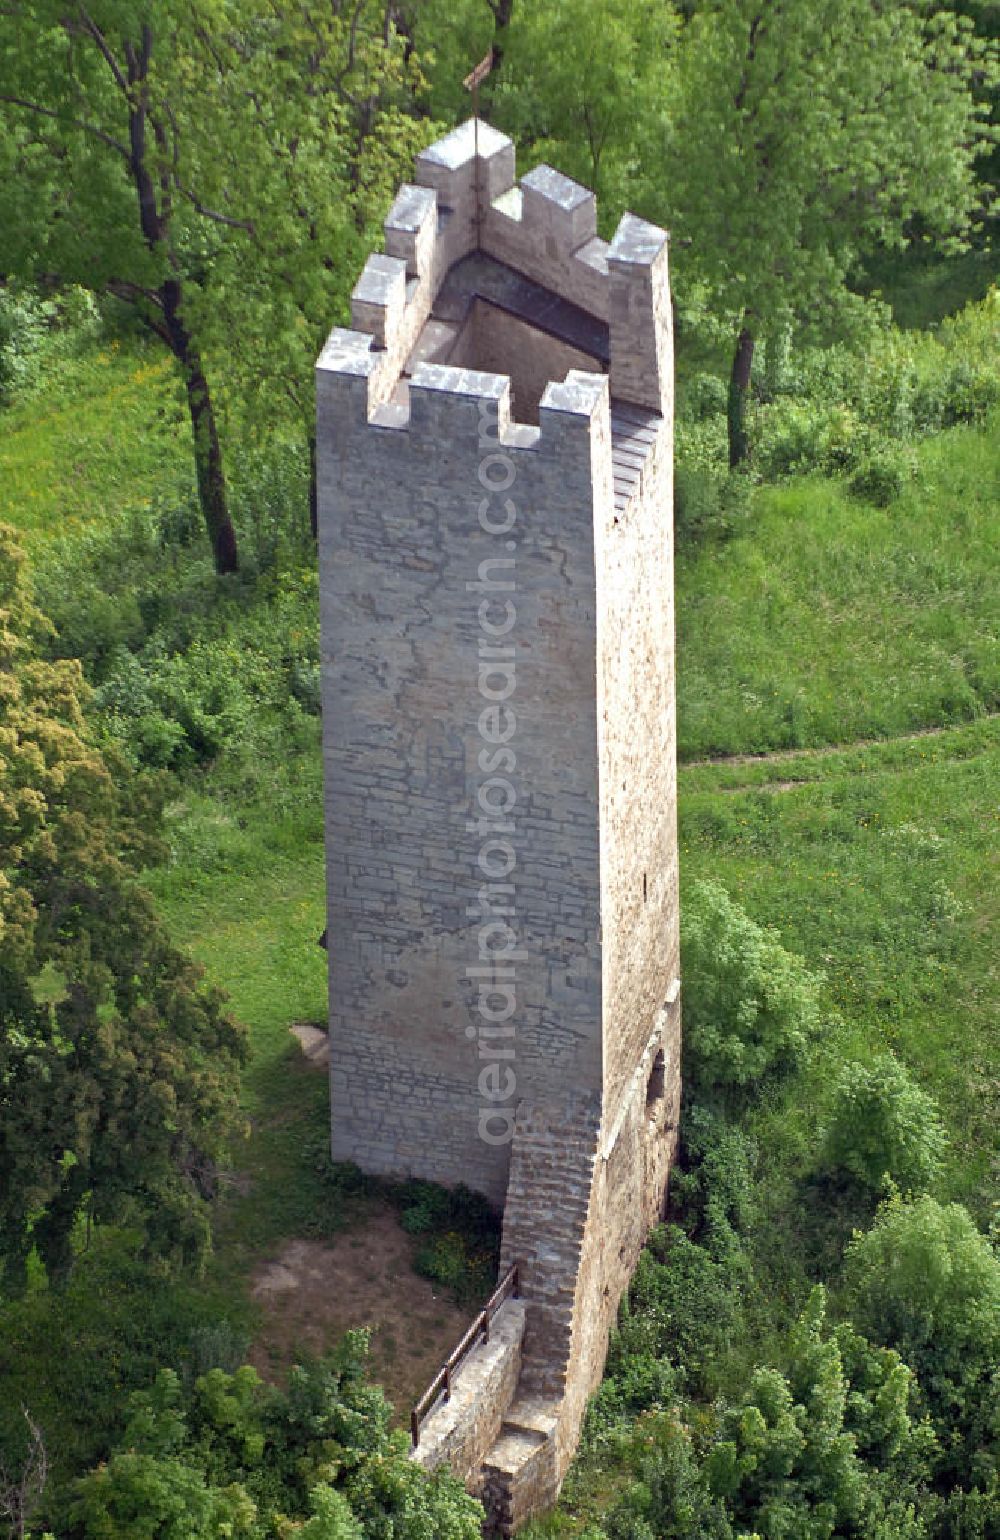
x=829 y=1446
x=683 y=1307
x=703 y=396
x=795 y=437
x=881 y=476
x=882 y=1125
x=846 y=410
x=926 y=1281
x=462 y=1245
x=233 y=1456
x=35 y=332
x=685 y=1304
x=750 y=1007
x=708 y=502
x=712 y=1188
x=188 y=668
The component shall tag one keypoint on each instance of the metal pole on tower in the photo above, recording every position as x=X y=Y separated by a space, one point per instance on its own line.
x=471 y=83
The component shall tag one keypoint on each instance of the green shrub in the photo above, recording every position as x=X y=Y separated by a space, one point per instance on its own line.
x=926 y=1281
x=881 y=476
x=640 y=1382
x=881 y=1124
x=708 y=502
x=189 y=669
x=830 y=1445
x=216 y=1345
x=850 y=410
x=712 y=1187
x=35 y=333
x=703 y=395
x=462 y=1244
x=23 y=323
x=794 y=437
x=750 y=1007
x=683 y=1307
x=670 y=1500
x=232 y=1456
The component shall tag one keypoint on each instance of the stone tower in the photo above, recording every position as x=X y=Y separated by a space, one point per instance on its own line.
x=496 y=562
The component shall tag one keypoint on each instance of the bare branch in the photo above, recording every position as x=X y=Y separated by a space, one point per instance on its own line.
x=214 y=214
x=95 y=32
x=87 y=128
x=20 y=1495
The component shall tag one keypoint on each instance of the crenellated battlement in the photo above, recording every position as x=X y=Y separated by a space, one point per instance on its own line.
x=465 y=200
x=354 y=377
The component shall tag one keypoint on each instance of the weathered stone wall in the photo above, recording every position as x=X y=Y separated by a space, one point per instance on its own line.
x=494 y=340
x=401 y=582
x=627 y=1199
x=460 y=1431
x=637 y=745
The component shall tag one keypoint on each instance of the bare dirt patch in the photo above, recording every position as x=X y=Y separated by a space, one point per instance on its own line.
x=311 y=1292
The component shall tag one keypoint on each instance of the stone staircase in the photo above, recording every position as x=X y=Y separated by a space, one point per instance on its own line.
x=553 y=1155
x=521 y=1464
x=633 y=433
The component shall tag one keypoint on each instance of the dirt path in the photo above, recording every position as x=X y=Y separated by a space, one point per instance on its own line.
x=777 y=756
x=314 y=1291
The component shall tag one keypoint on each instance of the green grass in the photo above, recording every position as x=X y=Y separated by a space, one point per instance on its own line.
x=881 y=867
x=107 y=433
x=827 y=620
x=244 y=892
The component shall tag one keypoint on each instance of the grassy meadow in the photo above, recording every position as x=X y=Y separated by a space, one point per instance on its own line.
x=832 y=620
x=106 y=432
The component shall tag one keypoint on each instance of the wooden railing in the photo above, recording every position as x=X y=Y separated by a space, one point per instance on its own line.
x=441 y=1383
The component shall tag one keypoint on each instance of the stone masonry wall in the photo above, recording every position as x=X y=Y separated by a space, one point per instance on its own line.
x=637 y=746
x=461 y=1430
x=494 y=340
x=401 y=554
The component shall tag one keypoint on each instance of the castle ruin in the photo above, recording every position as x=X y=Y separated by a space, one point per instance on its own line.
x=494 y=439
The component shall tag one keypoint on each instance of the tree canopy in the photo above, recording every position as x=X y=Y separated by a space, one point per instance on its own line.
x=238 y=1457
x=219 y=168
x=802 y=135
x=118 y=1069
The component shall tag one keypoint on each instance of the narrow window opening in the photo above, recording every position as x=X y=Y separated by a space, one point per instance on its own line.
x=656 y=1089
x=644 y=887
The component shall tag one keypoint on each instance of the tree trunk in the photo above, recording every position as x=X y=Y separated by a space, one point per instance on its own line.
x=313 y=489
x=739 y=395
x=502 y=10
x=207 y=449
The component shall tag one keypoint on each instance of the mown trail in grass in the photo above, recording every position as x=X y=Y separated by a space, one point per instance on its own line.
x=738 y=770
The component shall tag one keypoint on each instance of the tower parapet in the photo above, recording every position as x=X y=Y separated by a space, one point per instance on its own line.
x=466 y=200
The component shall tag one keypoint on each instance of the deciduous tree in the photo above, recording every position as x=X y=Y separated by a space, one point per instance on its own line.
x=577 y=77
x=317 y=1462
x=220 y=166
x=804 y=133
x=118 y=1069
